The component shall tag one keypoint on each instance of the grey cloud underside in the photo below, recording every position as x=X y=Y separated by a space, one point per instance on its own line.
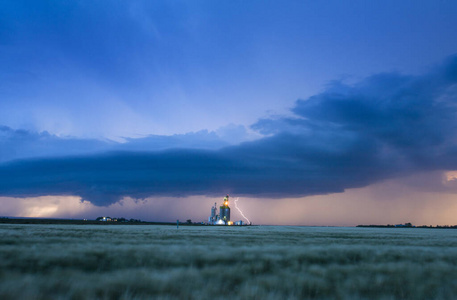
x=386 y=126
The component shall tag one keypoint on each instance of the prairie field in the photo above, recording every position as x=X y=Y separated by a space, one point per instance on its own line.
x=209 y=262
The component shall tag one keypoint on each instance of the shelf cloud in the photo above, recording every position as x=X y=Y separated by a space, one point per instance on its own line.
x=350 y=135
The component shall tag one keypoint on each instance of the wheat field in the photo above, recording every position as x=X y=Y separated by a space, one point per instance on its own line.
x=208 y=262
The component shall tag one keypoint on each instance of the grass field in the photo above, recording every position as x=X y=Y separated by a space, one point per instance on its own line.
x=257 y=262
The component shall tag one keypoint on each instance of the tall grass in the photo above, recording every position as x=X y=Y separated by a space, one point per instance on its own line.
x=264 y=262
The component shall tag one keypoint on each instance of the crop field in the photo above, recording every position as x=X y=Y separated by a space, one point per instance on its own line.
x=198 y=262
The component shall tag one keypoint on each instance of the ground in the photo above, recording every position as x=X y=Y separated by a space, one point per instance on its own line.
x=209 y=262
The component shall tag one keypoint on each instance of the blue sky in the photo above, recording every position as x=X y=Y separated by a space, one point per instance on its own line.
x=324 y=97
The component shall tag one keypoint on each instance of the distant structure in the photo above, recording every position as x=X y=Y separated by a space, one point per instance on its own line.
x=106 y=219
x=224 y=210
x=213 y=218
x=223 y=218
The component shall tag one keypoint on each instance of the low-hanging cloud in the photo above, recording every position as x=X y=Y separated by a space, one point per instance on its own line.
x=348 y=136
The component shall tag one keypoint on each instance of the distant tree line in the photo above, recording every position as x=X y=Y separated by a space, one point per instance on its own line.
x=409 y=225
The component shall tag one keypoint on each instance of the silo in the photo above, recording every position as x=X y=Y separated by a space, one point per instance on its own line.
x=213 y=213
x=224 y=210
x=224 y=213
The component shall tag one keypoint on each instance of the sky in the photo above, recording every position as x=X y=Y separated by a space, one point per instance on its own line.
x=311 y=112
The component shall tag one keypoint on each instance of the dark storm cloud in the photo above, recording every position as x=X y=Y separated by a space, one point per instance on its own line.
x=386 y=126
x=104 y=179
